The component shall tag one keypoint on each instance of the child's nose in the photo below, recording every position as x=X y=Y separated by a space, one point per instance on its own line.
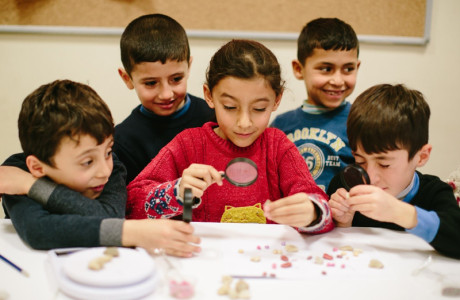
x=105 y=168
x=373 y=175
x=166 y=92
x=244 y=120
x=337 y=78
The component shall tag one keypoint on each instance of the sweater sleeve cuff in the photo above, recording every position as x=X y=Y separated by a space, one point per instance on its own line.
x=321 y=215
x=41 y=190
x=427 y=224
x=196 y=201
x=110 y=232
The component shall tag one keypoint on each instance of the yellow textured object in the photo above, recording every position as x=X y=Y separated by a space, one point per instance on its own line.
x=246 y=214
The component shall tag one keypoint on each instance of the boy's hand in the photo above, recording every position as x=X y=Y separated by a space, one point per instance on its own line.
x=341 y=212
x=375 y=203
x=174 y=237
x=198 y=177
x=15 y=181
x=295 y=210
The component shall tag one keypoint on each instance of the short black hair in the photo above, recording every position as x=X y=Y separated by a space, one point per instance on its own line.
x=59 y=109
x=327 y=34
x=151 y=38
x=389 y=117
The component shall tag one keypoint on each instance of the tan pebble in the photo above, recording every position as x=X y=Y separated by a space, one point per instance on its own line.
x=241 y=285
x=346 y=248
x=112 y=251
x=375 y=264
x=241 y=251
x=357 y=252
x=224 y=290
x=95 y=264
x=227 y=279
x=244 y=294
x=233 y=294
x=105 y=258
x=291 y=248
x=255 y=258
x=318 y=260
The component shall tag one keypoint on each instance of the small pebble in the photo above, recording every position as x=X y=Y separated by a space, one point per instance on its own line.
x=255 y=258
x=375 y=264
x=284 y=258
x=327 y=256
x=286 y=265
x=346 y=248
x=291 y=248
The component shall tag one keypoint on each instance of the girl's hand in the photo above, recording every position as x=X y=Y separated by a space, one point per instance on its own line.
x=295 y=210
x=174 y=237
x=340 y=209
x=199 y=177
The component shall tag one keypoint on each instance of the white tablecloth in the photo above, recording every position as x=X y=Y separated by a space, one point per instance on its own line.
x=229 y=248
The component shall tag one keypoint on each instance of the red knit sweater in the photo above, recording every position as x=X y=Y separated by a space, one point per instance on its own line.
x=282 y=172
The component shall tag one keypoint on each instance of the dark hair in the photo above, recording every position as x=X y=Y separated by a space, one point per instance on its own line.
x=62 y=108
x=327 y=34
x=389 y=117
x=245 y=59
x=152 y=38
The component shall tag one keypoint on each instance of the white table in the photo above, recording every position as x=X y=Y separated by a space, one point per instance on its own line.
x=401 y=254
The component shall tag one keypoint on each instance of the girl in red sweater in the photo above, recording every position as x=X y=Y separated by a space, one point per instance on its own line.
x=244 y=86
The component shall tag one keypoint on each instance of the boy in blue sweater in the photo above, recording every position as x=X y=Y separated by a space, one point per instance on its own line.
x=327 y=62
x=156 y=64
x=67 y=189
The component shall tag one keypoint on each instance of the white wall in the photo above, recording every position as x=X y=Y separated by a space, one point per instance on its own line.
x=29 y=60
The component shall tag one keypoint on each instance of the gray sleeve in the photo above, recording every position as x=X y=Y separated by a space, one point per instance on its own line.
x=110 y=232
x=41 y=190
x=110 y=204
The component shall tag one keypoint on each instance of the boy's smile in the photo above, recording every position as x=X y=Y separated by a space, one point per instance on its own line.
x=161 y=88
x=84 y=167
x=329 y=76
x=243 y=108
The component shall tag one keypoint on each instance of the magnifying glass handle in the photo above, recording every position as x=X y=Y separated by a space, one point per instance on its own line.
x=188 y=203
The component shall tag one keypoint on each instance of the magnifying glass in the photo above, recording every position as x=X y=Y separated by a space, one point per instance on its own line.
x=353 y=175
x=241 y=171
x=188 y=204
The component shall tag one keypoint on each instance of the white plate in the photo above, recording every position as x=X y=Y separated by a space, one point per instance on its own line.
x=130 y=267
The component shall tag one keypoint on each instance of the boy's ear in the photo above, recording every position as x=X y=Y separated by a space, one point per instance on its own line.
x=36 y=167
x=208 y=96
x=424 y=155
x=125 y=77
x=297 y=69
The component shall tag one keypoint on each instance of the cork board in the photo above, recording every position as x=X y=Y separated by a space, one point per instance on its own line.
x=384 y=18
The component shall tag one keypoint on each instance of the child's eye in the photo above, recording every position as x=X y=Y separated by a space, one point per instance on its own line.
x=87 y=163
x=260 y=109
x=178 y=78
x=349 y=69
x=384 y=166
x=325 y=69
x=229 y=107
x=109 y=154
x=150 y=83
